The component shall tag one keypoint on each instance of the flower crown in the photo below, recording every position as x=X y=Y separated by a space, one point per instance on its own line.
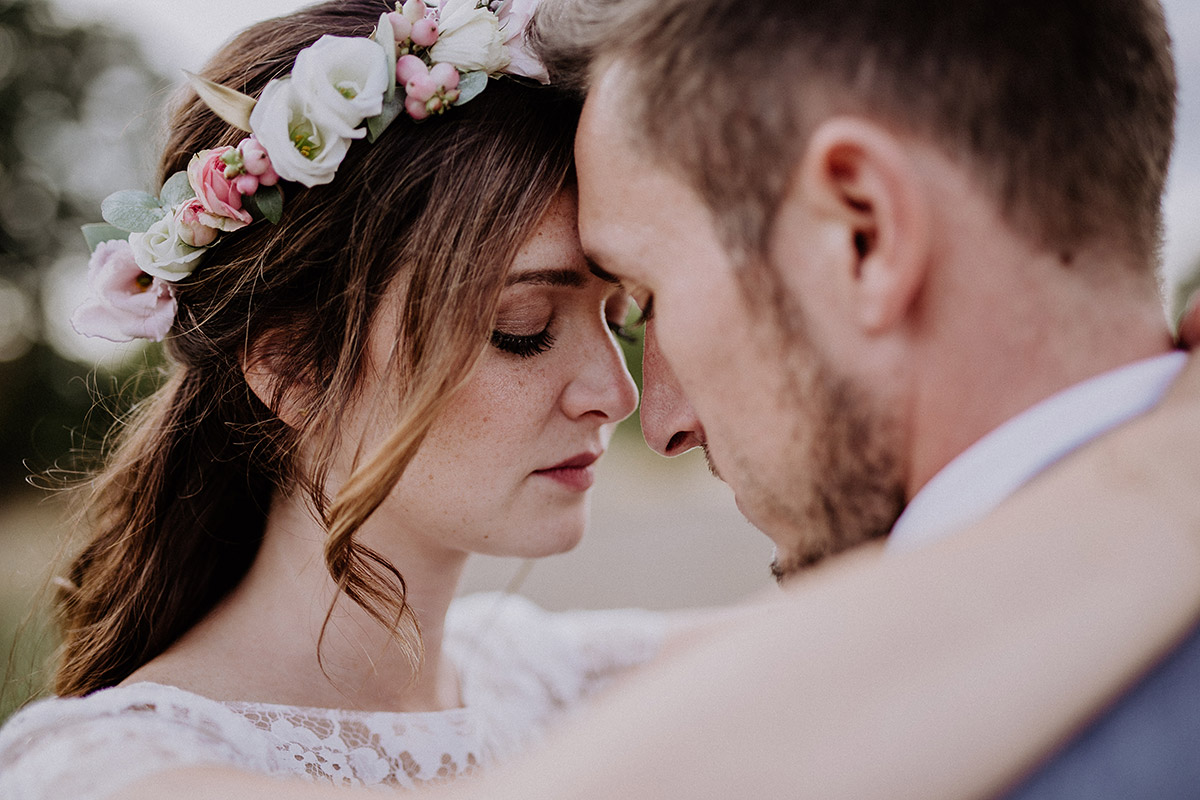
x=420 y=61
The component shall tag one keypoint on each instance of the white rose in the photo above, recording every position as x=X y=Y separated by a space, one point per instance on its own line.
x=303 y=141
x=161 y=253
x=469 y=38
x=345 y=76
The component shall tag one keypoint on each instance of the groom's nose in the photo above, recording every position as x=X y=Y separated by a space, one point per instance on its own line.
x=668 y=421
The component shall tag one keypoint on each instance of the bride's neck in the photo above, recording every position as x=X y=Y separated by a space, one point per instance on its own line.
x=260 y=643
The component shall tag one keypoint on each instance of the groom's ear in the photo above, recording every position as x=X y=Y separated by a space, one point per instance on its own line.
x=865 y=190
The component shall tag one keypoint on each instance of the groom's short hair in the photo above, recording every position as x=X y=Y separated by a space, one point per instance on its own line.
x=1062 y=111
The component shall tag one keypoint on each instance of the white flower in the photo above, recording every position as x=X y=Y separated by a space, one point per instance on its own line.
x=514 y=17
x=160 y=251
x=470 y=38
x=305 y=144
x=345 y=76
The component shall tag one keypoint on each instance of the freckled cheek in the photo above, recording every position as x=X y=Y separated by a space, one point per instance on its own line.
x=502 y=409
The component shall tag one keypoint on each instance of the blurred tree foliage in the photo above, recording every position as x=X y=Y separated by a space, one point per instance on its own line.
x=74 y=105
x=1188 y=286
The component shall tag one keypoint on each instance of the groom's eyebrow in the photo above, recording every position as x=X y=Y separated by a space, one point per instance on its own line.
x=559 y=276
x=601 y=273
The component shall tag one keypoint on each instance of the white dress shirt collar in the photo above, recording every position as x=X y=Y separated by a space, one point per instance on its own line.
x=987 y=472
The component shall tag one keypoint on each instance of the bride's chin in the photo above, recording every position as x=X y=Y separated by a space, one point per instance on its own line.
x=539 y=542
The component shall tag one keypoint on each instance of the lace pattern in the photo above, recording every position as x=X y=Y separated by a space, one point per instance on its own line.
x=519 y=668
x=347 y=748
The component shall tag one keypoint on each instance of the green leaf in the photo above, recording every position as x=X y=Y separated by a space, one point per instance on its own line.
x=470 y=85
x=97 y=232
x=228 y=104
x=177 y=190
x=385 y=35
x=266 y=203
x=391 y=109
x=131 y=210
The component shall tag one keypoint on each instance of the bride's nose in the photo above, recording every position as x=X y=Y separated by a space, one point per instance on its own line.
x=601 y=385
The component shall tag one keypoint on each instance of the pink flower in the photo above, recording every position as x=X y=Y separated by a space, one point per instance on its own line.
x=189 y=223
x=125 y=303
x=514 y=18
x=221 y=200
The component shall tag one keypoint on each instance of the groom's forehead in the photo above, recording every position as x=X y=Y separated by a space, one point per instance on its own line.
x=611 y=171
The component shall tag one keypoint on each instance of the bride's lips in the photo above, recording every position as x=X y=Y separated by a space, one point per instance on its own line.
x=576 y=473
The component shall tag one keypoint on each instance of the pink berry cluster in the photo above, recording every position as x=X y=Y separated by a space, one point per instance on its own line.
x=427 y=90
x=414 y=25
x=248 y=166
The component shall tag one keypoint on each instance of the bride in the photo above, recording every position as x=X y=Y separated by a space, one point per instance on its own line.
x=385 y=355
x=411 y=365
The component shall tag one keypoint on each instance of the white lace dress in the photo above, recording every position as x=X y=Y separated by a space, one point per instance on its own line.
x=519 y=668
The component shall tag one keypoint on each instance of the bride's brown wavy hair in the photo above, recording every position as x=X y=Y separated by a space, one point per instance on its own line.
x=436 y=210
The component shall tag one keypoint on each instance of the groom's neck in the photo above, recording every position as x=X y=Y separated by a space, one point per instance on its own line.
x=1008 y=329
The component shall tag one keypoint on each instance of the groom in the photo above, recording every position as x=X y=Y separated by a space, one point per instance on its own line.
x=896 y=258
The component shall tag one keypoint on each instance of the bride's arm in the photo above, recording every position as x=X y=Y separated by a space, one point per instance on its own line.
x=945 y=672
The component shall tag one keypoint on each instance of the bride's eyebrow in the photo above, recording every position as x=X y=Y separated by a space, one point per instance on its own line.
x=560 y=276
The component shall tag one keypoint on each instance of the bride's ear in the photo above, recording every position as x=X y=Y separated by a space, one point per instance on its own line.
x=285 y=402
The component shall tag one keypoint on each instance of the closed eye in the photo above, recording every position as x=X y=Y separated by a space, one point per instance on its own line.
x=523 y=345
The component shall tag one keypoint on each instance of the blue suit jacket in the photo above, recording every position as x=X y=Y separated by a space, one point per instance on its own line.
x=1147 y=746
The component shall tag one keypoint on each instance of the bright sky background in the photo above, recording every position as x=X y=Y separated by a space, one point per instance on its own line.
x=180 y=35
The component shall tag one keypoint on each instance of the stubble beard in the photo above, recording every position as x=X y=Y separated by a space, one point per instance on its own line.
x=842 y=483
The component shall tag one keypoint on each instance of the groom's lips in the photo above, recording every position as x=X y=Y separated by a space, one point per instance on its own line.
x=576 y=473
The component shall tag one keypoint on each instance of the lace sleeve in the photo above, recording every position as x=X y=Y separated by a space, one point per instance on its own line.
x=90 y=748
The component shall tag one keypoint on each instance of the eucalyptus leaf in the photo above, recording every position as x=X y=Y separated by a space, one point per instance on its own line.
x=385 y=35
x=377 y=124
x=96 y=233
x=228 y=104
x=131 y=210
x=177 y=190
x=470 y=85
x=266 y=203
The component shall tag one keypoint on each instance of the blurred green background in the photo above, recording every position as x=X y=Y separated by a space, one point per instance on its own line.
x=73 y=109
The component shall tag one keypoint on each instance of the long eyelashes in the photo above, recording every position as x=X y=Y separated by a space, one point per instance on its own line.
x=530 y=345
x=524 y=346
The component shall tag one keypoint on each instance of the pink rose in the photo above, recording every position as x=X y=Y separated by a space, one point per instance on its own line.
x=125 y=303
x=221 y=200
x=189 y=224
